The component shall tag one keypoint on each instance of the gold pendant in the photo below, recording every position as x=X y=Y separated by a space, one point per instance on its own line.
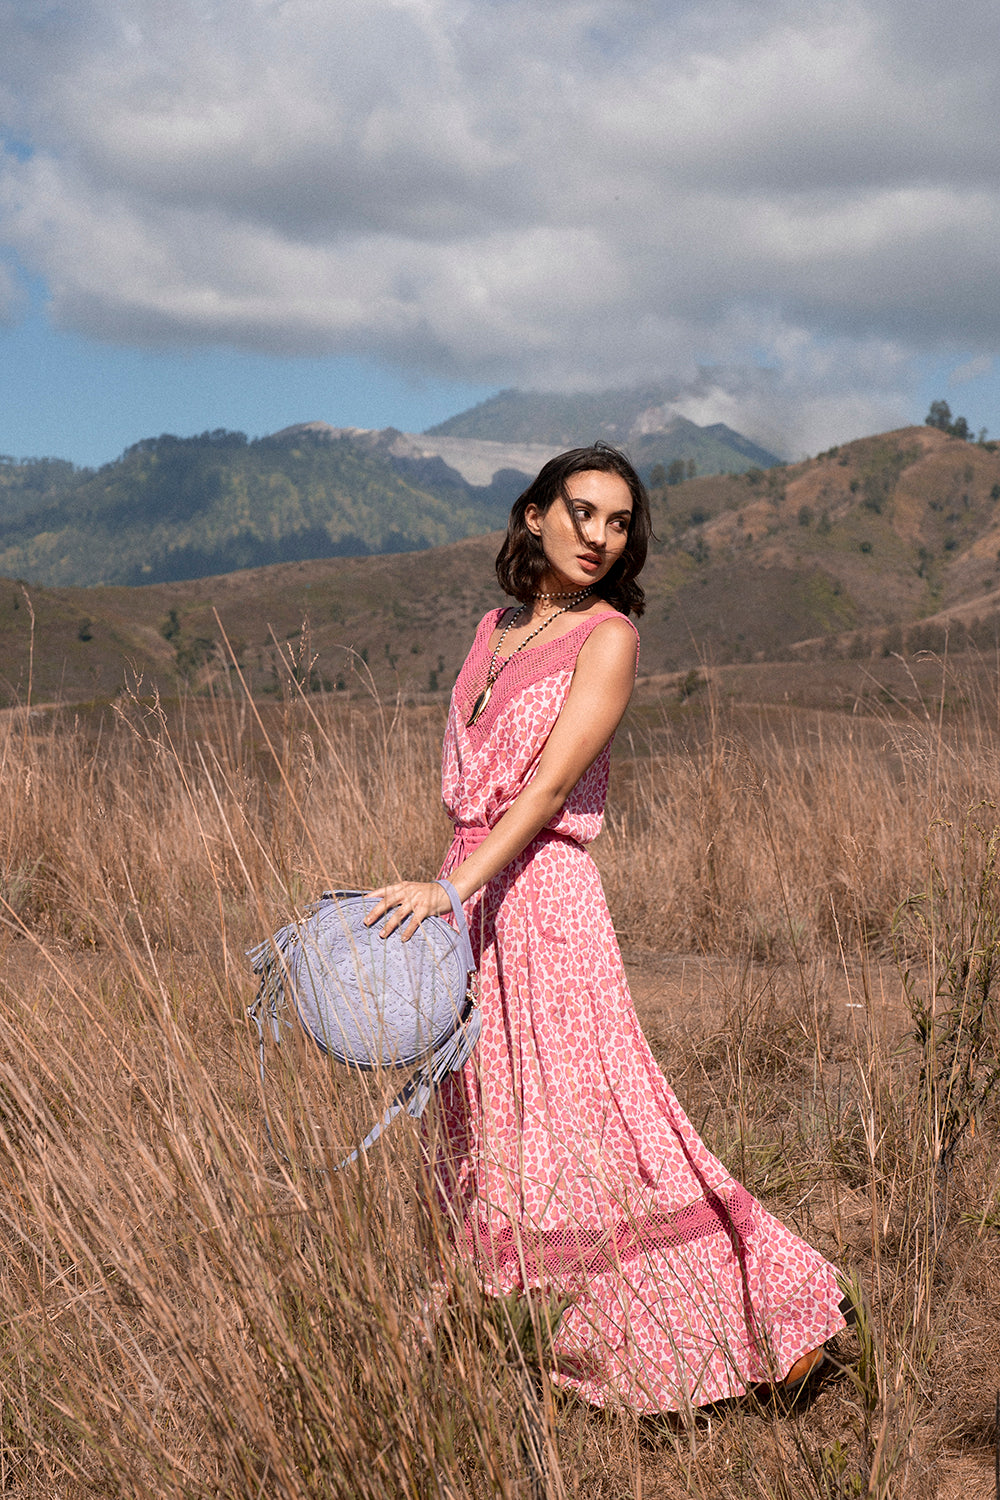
x=479 y=705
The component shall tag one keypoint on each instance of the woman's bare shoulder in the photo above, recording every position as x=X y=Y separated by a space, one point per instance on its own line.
x=613 y=640
x=612 y=624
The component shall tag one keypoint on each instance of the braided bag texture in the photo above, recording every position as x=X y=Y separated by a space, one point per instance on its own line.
x=367 y=1001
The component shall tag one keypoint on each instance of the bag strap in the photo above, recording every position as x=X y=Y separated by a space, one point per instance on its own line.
x=417 y=1093
x=460 y=923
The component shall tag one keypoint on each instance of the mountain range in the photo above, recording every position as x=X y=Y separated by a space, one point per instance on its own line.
x=640 y=419
x=890 y=543
x=176 y=508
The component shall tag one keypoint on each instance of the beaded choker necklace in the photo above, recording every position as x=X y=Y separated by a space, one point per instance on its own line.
x=496 y=667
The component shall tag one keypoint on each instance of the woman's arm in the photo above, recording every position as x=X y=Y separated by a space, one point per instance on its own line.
x=597 y=699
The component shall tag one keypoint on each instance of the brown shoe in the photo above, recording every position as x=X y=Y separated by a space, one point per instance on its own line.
x=802 y=1370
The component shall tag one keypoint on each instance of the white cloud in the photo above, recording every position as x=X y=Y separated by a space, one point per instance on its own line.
x=973 y=369
x=812 y=395
x=573 y=193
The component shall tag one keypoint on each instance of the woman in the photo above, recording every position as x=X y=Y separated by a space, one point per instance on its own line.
x=566 y=1162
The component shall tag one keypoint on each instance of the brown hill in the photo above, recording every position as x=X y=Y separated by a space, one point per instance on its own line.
x=882 y=535
x=403 y=619
x=880 y=544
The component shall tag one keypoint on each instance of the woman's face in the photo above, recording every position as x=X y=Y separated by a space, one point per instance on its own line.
x=602 y=505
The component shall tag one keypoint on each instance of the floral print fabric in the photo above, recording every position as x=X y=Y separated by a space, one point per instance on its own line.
x=563 y=1157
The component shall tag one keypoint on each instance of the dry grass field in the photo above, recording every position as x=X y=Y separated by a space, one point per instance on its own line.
x=808 y=902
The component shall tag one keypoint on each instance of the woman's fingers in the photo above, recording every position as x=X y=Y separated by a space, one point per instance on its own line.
x=410 y=901
x=397 y=916
x=390 y=896
x=378 y=911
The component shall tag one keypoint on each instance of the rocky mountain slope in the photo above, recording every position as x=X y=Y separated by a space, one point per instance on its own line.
x=641 y=419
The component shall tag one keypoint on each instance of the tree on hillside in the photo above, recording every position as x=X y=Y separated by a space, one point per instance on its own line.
x=940 y=417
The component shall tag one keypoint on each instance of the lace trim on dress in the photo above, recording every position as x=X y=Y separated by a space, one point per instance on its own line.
x=519 y=672
x=558 y=1252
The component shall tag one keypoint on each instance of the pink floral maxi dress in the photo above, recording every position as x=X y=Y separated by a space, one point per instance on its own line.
x=564 y=1160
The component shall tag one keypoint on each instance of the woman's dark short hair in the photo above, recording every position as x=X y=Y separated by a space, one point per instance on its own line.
x=521 y=561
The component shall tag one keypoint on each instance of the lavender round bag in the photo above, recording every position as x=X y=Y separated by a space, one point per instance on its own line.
x=372 y=1002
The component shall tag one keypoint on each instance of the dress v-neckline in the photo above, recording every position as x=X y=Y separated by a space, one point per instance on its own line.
x=553 y=640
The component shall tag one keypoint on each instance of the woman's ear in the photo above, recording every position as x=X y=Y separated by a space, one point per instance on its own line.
x=533 y=519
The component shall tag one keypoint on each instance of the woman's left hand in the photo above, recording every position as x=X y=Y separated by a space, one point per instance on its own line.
x=415 y=899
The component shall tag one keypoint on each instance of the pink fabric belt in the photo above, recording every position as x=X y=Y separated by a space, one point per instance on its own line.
x=469 y=836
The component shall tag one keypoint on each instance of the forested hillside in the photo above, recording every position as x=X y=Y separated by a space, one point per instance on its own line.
x=173 y=508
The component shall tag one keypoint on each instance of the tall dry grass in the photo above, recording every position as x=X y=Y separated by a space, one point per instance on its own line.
x=190 y=1314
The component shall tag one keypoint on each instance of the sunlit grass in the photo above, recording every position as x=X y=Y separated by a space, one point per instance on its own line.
x=188 y=1314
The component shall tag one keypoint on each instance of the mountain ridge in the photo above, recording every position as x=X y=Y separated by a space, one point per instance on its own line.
x=172 y=508
x=889 y=543
x=642 y=419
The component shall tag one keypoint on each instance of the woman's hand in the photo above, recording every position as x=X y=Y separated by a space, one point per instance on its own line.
x=416 y=899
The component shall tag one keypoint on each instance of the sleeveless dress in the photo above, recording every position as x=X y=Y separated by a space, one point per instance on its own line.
x=562 y=1158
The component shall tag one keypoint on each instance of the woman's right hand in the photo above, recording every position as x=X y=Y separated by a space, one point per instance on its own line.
x=413 y=899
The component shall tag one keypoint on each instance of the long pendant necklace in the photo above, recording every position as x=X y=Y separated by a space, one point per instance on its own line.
x=495 y=667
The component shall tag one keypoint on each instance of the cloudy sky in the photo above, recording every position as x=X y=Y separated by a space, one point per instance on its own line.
x=252 y=212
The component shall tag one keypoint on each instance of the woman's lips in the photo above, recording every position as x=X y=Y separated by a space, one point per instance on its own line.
x=589 y=561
